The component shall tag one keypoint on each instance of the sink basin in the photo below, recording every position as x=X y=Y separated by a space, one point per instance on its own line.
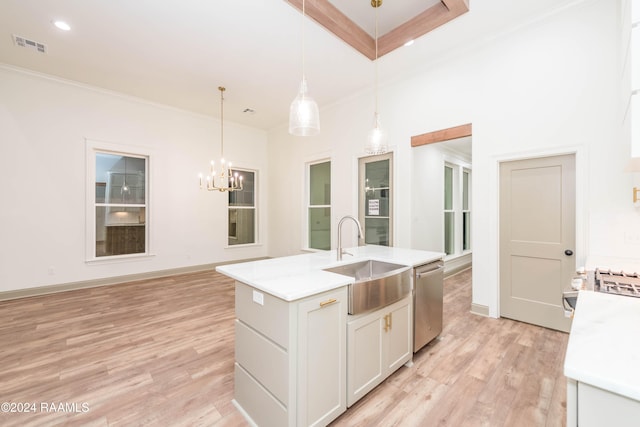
x=376 y=284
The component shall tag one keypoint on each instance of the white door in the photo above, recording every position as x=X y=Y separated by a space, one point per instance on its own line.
x=537 y=239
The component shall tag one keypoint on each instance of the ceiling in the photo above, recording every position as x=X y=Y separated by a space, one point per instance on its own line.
x=177 y=52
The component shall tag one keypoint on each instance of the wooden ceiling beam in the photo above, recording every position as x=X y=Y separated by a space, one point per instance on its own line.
x=430 y=19
x=441 y=135
x=331 y=18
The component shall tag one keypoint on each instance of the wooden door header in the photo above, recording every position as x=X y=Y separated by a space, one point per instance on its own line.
x=441 y=135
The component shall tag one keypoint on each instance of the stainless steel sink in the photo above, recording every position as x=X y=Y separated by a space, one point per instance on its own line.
x=376 y=284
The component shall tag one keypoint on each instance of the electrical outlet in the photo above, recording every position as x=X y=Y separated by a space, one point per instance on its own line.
x=258 y=297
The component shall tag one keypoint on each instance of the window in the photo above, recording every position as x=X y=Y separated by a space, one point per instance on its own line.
x=375 y=199
x=120 y=205
x=242 y=210
x=457 y=209
x=466 y=210
x=449 y=213
x=319 y=206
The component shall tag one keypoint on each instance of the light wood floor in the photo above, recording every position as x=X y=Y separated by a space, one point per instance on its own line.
x=160 y=352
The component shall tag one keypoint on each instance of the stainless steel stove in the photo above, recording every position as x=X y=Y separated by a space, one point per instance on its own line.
x=617 y=282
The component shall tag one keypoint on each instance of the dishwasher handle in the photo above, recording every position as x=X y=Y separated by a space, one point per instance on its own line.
x=428 y=269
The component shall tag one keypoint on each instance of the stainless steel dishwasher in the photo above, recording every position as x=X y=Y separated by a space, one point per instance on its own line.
x=427 y=303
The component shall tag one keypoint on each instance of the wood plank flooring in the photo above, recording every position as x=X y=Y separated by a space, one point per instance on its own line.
x=160 y=352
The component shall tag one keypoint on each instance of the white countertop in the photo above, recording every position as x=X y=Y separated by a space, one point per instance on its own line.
x=604 y=344
x=299 y=276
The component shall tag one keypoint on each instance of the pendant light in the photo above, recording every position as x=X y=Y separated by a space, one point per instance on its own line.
x=377 y=138
x=304 y=118
x=226 y=180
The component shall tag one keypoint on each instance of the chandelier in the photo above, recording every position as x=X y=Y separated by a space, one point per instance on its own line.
x=226 y=180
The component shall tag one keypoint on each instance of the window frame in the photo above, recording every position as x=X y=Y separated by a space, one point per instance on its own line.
x=256 y=232
x=362 y=196
x=309 y=206
x=92 y=149
x=459 y=168
x=466 y=170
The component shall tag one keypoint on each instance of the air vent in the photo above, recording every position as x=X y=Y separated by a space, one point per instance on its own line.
x=29 y=44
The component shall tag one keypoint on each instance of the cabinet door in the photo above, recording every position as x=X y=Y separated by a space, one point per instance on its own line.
x=378 y=344
x=365 y=365
x=398 y=334
x=598 y=407
x=322 y=324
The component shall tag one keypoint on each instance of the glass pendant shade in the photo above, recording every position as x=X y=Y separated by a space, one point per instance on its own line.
x=377 y=138
x=304 y=117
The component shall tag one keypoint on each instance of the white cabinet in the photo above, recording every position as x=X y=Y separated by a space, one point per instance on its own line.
x=589 y=406
x=378 y=344
x=322 y=324
x=290 y=365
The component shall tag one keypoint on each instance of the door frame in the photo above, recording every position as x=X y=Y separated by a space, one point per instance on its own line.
x=581 y=220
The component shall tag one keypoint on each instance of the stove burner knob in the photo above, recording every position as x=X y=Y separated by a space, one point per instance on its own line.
x=568 y=252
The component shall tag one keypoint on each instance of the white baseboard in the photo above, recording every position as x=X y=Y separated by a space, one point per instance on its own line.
x=63 y=287
x=480 y=310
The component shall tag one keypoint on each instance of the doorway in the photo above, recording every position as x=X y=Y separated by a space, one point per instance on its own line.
x=537 y=238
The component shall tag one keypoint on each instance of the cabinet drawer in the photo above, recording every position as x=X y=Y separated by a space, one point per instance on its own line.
x=255 y=401
x=263 y=359
x=269 y=316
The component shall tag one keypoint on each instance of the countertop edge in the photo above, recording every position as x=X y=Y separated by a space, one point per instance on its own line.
x=283 y=285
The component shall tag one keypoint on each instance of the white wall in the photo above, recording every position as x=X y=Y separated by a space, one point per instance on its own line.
x=549 y=87
x=43 y=126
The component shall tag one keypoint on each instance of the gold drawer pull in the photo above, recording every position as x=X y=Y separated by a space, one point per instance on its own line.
x=327 y=302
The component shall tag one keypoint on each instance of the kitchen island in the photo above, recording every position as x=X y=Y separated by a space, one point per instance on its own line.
x=602 y=363
x=291 y=335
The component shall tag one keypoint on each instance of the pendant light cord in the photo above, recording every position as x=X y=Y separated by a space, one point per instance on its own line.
x=221 y=89
x=302 y=38
x=376 y=67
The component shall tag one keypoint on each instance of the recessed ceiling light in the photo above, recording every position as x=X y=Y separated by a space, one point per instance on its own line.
x=62 y=25
x=409 y=43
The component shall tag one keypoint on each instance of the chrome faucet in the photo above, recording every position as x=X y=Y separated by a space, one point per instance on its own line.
x=360 y=234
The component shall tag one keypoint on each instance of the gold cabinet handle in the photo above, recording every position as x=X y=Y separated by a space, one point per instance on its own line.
x=328 y=302
x=388 y=322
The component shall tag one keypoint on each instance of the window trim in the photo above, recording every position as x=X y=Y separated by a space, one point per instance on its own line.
x=256 y=221
x=93 y=147
x=459 y=167
x=307 y=203
x=469 y=209
x=362 y=162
